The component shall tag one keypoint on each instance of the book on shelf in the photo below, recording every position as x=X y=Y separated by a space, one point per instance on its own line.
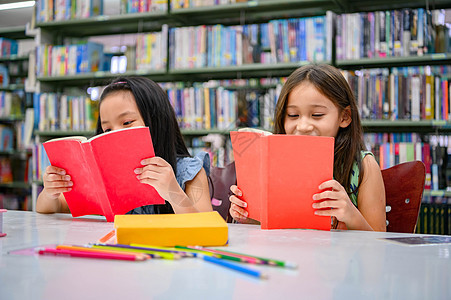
x=102 y=171
x=279 y=174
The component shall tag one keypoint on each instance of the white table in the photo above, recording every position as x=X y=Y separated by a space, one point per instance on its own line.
x=332 y=265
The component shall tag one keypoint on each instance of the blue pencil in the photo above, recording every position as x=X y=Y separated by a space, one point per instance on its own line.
x=234 y=266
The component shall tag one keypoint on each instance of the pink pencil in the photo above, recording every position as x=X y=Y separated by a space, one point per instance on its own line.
x=246 y=259
x=72 y=253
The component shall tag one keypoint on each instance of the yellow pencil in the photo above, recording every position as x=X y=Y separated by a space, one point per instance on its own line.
x=156 y=254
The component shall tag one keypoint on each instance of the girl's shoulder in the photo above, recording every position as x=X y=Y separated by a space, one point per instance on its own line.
x=188 y=167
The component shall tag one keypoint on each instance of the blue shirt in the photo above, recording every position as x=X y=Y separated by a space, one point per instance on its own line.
x=187 y=169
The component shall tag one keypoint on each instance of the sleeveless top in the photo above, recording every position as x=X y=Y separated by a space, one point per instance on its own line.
x=187 y=169
x=355 y=172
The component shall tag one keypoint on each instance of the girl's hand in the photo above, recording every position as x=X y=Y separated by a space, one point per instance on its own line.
x=56 y=182
x=335 y=198
x=159 y=173
x=237 y=207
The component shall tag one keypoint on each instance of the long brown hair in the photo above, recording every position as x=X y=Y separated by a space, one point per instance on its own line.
x=349 y=141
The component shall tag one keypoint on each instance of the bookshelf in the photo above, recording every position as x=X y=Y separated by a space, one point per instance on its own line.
x=15 y=157
x=243 y=13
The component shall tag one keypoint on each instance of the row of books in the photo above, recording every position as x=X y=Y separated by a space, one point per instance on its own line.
x=434 y=217
x=200 y=107
x=11 y=104
x=392 y=33
x=4 y=76
x=286 y=40
x=142 y=6
x=150 y=53
x=6 y=173
x=59 y=10
x=53 y=60
x=6 y=138
x=151 y=50
x=40 y=161
x=24 y=131
x=300 y=39
x=8 y=47
x=433 y=150
x=178 y=4
x=414 y=93
x=62 y=112
x=222 y=104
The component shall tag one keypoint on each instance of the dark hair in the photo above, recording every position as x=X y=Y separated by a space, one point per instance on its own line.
x=349 y=141
x=157 y=113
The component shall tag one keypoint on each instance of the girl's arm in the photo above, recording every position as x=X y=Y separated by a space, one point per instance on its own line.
x=371 y=198
x=46 y=205
x=370 y=214
x=158 y=173
x=198 y=192
x=51 y=198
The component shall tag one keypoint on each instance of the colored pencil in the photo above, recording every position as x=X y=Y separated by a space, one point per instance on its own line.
x=163 y=249
x=107 y=237
x=146 y=247
x=159 y=254
x=234 y=266
x=72 y=253
x=140 y=256
x=219 y=253
x=269 y=261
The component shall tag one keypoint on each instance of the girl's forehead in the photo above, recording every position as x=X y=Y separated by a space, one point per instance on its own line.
x=119 y=97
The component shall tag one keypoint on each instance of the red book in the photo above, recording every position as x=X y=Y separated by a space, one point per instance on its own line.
x=102 y=170
x=278 y=175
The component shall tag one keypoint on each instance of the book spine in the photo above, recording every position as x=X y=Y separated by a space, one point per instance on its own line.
x=264 y=204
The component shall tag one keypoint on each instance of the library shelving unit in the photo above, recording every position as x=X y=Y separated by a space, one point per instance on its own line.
x=15 y=188
x=240 y=13
x=55 y=32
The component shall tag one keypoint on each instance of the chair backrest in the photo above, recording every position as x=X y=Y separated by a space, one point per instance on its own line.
x=404 y=184
x=219 y=181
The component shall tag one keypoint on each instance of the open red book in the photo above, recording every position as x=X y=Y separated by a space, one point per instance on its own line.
x=278 y=175
x=102 y=170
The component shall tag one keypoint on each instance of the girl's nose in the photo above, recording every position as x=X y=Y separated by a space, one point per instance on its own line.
x=303 y=126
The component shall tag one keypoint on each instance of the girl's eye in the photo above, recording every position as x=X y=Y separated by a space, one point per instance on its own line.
x=317 y=115
x=106 y=130
x=128 y=123
x=292 y=116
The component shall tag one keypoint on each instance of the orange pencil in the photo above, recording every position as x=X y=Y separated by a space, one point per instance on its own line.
x=107 y=237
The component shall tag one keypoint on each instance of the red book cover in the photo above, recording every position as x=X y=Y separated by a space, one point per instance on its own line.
x=102 y=170
x=278 y=175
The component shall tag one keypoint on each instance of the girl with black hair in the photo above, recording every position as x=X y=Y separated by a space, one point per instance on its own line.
x=179 y=179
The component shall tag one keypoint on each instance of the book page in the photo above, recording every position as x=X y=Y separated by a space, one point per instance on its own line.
x=75 y=138
x=118 y=154
x=69 y=154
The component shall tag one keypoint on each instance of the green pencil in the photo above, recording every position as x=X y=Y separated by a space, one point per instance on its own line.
x=269 y=261
x=217 y=255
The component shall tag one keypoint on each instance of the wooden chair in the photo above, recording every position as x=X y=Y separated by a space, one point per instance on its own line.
x=404 y=184
x=219 y=181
